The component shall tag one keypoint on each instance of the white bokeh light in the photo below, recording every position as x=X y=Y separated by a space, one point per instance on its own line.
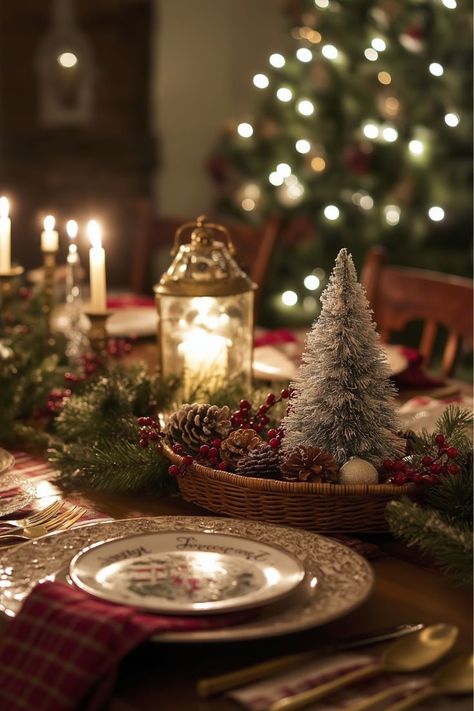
x=322 y=4
x=416 y=147
x=392 y=214
x=436 y=213
x=303 y=146
x=371 y=54
x=312 y=282
x=370 y=130
x=452 y=120
x=389 y=134
x=245 y=130
x=276 y=179
x=284 y=94
x=261 y=81
x=331 y=212
x=366 y=202
x=277 y=60
x=379 y=44
x=304 y=54
x=436 y=69
x=305 y=107
x=283 y=169
x=329 y=51
x=289 y=298
x=450 y=4
x=67 y=60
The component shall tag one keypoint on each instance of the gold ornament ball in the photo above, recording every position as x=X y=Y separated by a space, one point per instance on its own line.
x=358 y=471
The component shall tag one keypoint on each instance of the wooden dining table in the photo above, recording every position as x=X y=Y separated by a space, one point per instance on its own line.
x=163 y=675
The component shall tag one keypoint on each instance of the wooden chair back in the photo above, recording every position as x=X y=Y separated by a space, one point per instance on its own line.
x=154 y=235
x=400 y=295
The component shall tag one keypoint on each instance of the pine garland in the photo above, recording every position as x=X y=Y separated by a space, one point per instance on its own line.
x=450 y=545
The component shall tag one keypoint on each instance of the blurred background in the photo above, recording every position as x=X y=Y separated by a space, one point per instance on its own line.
x=348 y=122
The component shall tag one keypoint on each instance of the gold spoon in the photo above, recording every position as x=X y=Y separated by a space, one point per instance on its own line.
x=406 y=655
x=453 y=678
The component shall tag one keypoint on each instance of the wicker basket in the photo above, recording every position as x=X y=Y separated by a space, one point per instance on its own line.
x=318 y=507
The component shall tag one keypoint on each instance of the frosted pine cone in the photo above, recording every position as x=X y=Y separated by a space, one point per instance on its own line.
x=262 y=461
x=238 y=444
x=194 y=425
x=309 y=464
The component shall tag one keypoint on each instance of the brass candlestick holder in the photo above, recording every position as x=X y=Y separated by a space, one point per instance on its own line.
x=49 y=269
x=6 y=283
x=98 y=335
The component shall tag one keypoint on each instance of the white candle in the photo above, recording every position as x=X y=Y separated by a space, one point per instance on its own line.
x=5 y=235
x=72 y=229
x=49 y=236
x=205 y=361
x=97 y=268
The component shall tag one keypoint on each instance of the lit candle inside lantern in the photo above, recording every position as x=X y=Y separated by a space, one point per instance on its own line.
x=205 y=361
x=72 y=229
x=49 y=236
x=5 y=232
x=96 y=267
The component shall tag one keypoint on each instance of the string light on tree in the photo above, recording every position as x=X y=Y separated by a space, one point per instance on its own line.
x=305 y=107
x=284 y=94
x=392 y=214
x=277 y=60
x=452 y=120
x=261 y=81
x=436 y=213
x=245 y=130
x=329 y=51
x=304 y=54
x=289 y=298
x=436 y=69
x=303 y=146
x=331 y=212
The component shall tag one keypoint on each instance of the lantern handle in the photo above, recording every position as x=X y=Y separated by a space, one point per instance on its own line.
x=201 y=222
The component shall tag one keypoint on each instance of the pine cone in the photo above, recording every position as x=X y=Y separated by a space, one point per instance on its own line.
x=194 y=425
x=309 y=464
x=262 y=461
x=238 y=444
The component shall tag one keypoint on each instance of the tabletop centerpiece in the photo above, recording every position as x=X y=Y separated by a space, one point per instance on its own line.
x=336 y=457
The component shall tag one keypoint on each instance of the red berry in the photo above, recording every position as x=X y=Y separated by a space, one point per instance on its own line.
x=212 y=453
x=187 y=460
x=417 y=478
x=274 y=443
x=270 y=399
x=236 y=418
x=173 y=470
x=285 y=393
x=143 y=443
x=262 y=409
x=427 y=461
x=216 y=443
x=222 y=466
x=204 y=450
x=431 y=479
x=400 y=466
x=258 y=428
x=245 y=405
x=452 y=452
x=454 y=469
x=154 y=436
x=177 y=448
x=388 y=464
x=272 y=433
x=440 y=440
x=264 y=420
x=144 y=421
x=400 y=478
x=436 y=468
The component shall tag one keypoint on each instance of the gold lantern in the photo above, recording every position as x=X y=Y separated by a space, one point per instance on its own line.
x=205 y=305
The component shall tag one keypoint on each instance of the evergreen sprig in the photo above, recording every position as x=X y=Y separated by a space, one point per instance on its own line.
x=455 y=423
x=451 y=546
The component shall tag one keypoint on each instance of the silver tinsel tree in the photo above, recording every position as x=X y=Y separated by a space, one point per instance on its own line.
x=343 y=399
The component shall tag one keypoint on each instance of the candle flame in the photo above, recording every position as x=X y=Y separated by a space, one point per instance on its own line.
x=72 y=229
x=94 y=232
x=4 y=207
x=49 y=223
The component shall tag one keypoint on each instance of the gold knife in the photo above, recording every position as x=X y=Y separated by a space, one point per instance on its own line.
x=216 y=684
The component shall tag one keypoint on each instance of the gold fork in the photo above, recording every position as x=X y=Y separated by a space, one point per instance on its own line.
x=38 y=518
x=58 y=523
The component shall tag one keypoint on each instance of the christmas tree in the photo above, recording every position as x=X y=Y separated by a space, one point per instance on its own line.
x=343 y=399
x=363 y=136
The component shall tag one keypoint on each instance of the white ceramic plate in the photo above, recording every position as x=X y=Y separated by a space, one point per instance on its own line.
x=7 y=460
x=137 y=321
x=344 y=578
x=186 y=573
x=396 y=360
x=15 y=493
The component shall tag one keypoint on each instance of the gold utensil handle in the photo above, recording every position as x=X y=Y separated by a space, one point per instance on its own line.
x=216 y=684
x=413 y=699
x=298 y=701
x=381 y=696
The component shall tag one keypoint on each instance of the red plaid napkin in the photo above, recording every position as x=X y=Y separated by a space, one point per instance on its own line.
x=414 y=376
x=65 y=647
